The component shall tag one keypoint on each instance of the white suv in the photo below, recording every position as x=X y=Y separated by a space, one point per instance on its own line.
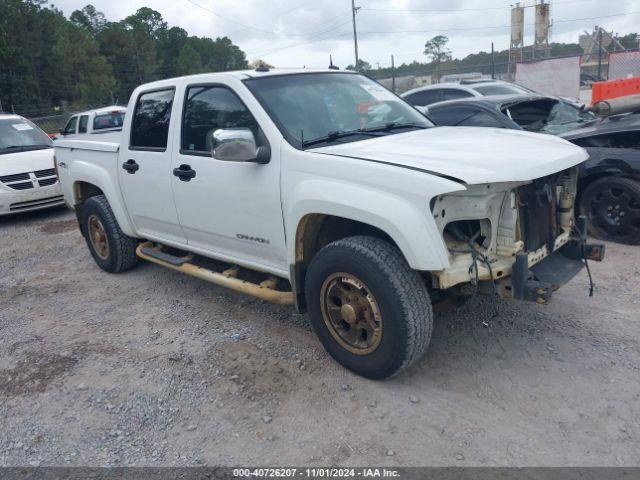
x=28 y=180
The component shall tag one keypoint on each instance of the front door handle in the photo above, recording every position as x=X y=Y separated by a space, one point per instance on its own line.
x=184 y=172
x=131 y=166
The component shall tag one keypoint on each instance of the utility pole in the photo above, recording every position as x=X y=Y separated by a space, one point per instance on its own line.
x=393 y=75
x=599 y=54
x=354 y=9
x=493 y=63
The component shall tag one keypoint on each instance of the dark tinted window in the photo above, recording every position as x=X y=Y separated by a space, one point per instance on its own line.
x=82 y=125
x=453 y=93
x=463 y=117
x=71 y=126
x=209 y=108
x=424 y=98
x=499 y=89
x=612 y=140
x=150 y=126
x=108 y=120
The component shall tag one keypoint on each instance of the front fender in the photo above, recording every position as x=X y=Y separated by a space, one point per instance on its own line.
x=408 y=223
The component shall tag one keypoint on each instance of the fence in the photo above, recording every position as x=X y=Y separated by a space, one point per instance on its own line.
x=592 y=69
x=624 y=64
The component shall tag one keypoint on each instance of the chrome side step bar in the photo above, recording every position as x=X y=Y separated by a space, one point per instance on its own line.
x=265 y=290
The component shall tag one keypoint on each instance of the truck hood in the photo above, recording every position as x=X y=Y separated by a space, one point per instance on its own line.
x=24 y=162
x=471 y=155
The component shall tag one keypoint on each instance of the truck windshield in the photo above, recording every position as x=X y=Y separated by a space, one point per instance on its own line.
x=108 y=120
x=311 y=109
x=19 y=135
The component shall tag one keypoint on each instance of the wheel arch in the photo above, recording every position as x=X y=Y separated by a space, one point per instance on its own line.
x=316 y=230
x=90 y=184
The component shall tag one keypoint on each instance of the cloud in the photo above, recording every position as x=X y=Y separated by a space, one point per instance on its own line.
x=292 y=33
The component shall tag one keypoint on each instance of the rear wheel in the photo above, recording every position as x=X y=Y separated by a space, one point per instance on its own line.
x=371 y=312
x=612 y=206
x=111 y=249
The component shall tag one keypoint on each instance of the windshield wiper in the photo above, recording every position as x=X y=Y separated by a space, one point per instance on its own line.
x=335 y=135
x=15 y=147
x=394 y=126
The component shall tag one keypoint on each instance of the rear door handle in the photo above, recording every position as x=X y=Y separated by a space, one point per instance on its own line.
x=131 y=166
x=184 y=172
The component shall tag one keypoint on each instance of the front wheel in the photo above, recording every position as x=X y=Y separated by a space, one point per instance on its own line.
x=612 y=206
x=371 y=312
x=111 y=249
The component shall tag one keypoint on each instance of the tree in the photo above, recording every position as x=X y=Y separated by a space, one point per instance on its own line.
x=89 y=19
x=86 y=60
x=189 y=61
x=259 y=63
x=436 y=50
x=363 y=66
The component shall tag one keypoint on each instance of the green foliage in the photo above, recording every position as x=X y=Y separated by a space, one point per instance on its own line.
x=436 y=49
x=88 y=61
x=363 y=66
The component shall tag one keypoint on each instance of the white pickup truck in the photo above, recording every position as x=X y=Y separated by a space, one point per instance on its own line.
x=325 y=190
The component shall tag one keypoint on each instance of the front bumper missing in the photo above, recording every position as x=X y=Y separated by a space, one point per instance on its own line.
x=537 y=284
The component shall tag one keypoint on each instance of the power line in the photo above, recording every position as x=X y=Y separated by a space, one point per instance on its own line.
x=460 y=10
x=495 y=26
x=269 y=51
x=341 y=35
x=250 y=27
x=227 y=18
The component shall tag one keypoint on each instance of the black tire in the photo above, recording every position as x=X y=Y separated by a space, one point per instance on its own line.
x=612 y=207
x=402 y=299
x=120 y=252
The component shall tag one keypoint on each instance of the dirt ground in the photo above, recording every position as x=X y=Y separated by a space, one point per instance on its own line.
x=152 y=367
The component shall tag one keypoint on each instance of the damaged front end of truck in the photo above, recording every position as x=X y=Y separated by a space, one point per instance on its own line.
x=518 y=240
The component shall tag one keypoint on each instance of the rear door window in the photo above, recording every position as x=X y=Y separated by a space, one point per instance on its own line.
x=425 y=97
x=82 y=124
x=150 y=125
x=454 y=93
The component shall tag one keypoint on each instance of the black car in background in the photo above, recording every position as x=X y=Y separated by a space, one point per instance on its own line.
x=609 y=188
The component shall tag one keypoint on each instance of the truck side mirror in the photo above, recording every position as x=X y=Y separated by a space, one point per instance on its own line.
x=237 y=145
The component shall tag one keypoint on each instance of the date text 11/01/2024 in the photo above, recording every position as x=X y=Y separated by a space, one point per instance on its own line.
x=315 y=473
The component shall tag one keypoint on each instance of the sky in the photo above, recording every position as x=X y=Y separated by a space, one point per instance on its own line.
x=297 y=33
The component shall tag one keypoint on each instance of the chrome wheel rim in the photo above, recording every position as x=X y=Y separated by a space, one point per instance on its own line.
x=351 y=313
x=98 y=237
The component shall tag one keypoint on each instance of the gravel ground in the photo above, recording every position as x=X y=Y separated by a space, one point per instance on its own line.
x=152 y=367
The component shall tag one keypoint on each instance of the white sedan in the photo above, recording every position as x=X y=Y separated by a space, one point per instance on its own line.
x=28 y=180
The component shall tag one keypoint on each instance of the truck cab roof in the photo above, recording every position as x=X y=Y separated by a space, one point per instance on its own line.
x=242 y=75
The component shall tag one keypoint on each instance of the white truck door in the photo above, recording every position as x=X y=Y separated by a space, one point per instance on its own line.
x=145 y=168
x=229 y=209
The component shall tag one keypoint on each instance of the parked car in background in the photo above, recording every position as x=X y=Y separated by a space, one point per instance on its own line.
x=333 y=195
x=100 y=121
x=609 y=183
x=427 y=95
x=28 y=179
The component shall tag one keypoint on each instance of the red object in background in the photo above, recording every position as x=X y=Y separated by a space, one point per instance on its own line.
x=614 y=89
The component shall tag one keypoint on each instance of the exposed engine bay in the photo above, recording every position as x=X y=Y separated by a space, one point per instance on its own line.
x=486 y=226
